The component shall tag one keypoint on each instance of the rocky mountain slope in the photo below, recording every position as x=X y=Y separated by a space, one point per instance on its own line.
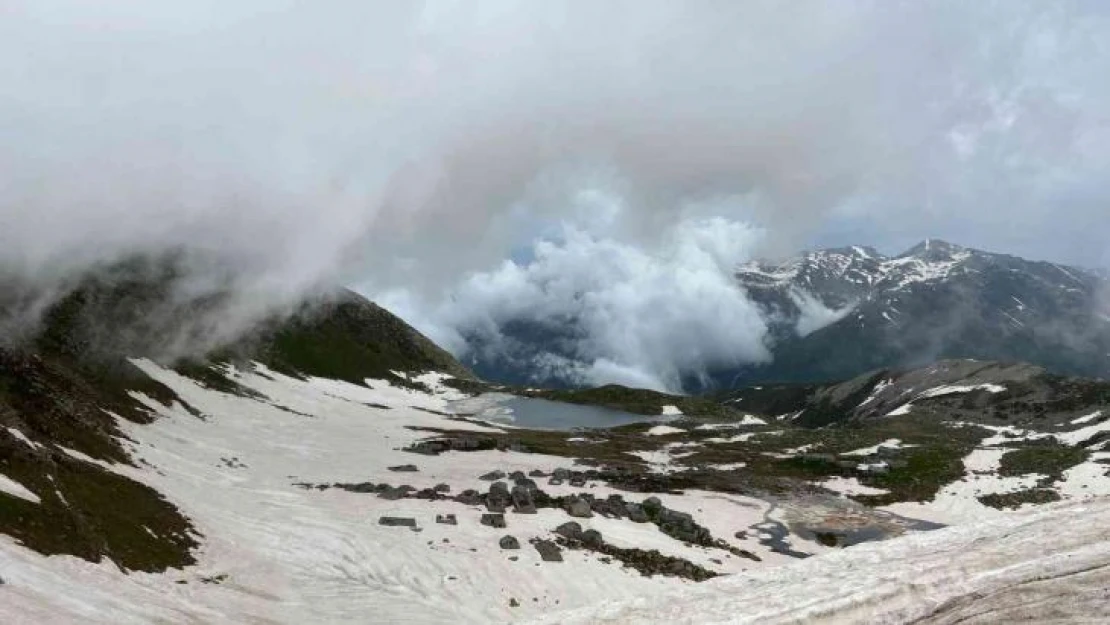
x=841 y=312
x=836 y=313
x=333 y=463
x=68 y=385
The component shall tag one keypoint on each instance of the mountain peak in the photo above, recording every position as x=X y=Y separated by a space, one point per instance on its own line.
x=933 y=249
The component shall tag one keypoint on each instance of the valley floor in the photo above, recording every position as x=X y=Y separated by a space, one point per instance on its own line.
x=277 y=549
x=274 y=551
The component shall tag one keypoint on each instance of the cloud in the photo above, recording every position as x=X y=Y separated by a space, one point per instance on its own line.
x=635 y=318
x=813 y=314
x=417 y=145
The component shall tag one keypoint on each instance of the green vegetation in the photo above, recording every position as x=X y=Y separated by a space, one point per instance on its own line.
x=1017 y=499
x=1048 y=459
x=349 y=338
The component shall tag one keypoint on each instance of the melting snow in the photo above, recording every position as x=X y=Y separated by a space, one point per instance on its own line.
x=901 y=410
x=850 y=486
x=15 y=489
x=671 y=411
x=981 y=572
x=951 y=390
x=1088 y=418
x=664 y=430
x=874 y=449
x=23 y=437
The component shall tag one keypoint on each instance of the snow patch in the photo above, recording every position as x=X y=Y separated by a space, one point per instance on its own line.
x=951 y=390
x=850 y=486
x=23 y=437
x=893 y=443
x=664 y=430
x=15 y=489
x=1087 y=419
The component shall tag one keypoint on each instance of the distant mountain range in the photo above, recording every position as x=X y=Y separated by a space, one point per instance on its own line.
x=836 y=313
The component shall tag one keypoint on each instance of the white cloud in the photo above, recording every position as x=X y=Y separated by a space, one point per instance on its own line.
x=813 y=314
x=408 y=145
x=645 y=317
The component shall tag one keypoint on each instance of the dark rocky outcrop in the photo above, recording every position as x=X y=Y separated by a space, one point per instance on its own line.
x=549 y=551
x=494 y=520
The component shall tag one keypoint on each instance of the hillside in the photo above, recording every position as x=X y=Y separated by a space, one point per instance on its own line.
x=69 y=387
x=836 y=313
x=935 y=301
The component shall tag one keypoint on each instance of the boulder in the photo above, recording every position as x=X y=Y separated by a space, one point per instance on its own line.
x=396 y=521
x=561 y=474
x=493 y=475
x=447 y=519
x=592 y=538
x=494 y=520
x=636 y=513
x=555 y=482
x=522 y=501
x=549 y=551
x=527 y=483
x=427 y=493
x=442 y=488
x=536 y=473
x=361 y=487
x=579 y=508
x=392 y=494
x=570 y=529
x=509 y=542
x=516 y=475
x=404 y=468
x=469 y=497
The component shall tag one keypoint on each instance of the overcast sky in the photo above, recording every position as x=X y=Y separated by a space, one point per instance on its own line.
x=411 y=148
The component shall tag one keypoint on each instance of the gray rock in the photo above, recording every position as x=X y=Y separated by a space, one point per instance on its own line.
x=392 y=494
x=570 y=529
x=554 y=482
x=578 y=481
x=549 y=551
x=469 y=497
x=579 y=508
x=561 y=474
x=636 y=513
x=493 y=475
x=396 y=521
x=536 y=473
x=652 y=504
x=494 y=520
x=516 y=475
x=522 y=501
x=442 y=488
x=362 y=487
x=509 y=542
x=447 y=519
x=404 y=468
x=592 y=538
x=496 y=505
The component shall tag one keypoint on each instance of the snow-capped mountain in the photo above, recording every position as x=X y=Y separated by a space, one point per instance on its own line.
x=335 y=464
x=836 y=313
x=840 y=312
